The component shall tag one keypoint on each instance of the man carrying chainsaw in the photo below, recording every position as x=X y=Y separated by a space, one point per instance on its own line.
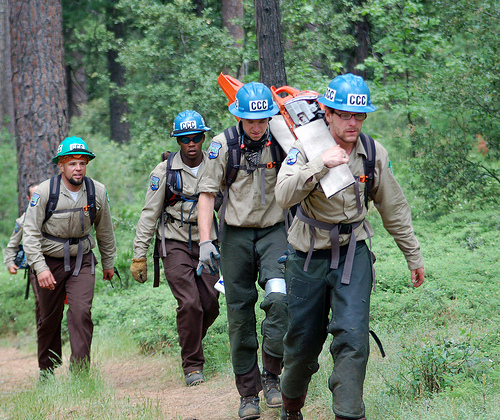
x=332 y=268
x=171 y=210
x=243 y=163
x=58 y=244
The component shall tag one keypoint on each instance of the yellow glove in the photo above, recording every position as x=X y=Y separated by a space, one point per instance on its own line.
x=139 y=269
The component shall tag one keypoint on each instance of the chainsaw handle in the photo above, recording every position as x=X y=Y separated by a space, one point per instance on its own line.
x=287 y=89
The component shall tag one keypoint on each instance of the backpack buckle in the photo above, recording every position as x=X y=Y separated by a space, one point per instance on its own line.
x=86 y=208
x=363 y=178
x=270 y=165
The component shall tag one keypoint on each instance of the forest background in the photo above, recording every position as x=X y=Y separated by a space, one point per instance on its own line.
x=130 y=66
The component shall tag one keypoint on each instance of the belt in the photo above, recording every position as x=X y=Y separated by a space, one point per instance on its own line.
x=335 y=230
x=79 y=255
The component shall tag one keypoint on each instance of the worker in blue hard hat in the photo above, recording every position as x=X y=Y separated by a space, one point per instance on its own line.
x=171 y=211
x=243 y=162
x=330 y=275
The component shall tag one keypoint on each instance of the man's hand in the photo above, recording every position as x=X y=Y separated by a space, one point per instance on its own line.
x=417 y=276
x=46 y=280
x=108 y=274
x=13 y=269
x=139 y=269
x=209 y=258
x=334 y=156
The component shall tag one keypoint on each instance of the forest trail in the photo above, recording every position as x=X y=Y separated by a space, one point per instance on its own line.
x=139 y=379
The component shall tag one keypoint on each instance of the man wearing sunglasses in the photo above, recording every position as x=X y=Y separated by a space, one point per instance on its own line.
x=252 y=240
x=332 y=268
x=172 y=199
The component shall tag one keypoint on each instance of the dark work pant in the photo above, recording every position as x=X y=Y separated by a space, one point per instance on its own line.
x=248 y=254
x=198 y=301
x=311 y=297
x=80 y=292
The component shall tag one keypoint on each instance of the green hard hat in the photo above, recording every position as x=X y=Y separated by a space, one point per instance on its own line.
x=72 y=146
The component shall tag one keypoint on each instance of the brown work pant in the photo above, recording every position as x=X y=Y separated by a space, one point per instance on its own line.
x=80 y=292
x=198 y=301
x=34 y=285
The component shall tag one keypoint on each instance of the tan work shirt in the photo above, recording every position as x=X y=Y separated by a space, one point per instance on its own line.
x=179 y=216
x=292 y=188
x=67 y=225
x=13 y=245
x=244 y=203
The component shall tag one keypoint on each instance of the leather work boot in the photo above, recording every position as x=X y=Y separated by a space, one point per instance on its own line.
x=290 y=415
x=271 y=388
x=249 y=408
x=194 y=378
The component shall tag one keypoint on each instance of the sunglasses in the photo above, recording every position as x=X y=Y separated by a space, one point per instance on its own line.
x=187 y=139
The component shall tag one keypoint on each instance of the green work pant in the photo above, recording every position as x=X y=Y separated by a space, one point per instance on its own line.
x=311 y=297
x=248 y=254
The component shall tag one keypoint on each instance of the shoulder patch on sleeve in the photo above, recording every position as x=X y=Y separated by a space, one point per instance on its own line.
x=213 y=150
x=16 y=227
x=154 y=182
x=390 y=167
x=291 y=158
x=34 y=199
x=107 y=196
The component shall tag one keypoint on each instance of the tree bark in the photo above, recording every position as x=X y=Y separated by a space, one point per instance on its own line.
x=232 y=13
x=39 y=88
x=270 y=43
x=76 y=79
x=6 y=98
x=360 y=54
x=118 y=108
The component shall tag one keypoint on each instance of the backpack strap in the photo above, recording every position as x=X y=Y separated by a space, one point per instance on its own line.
x=233 y=166
x=234 y=157
x=91 y=206
x=171 y=186
x=55 y=188
x=369 y=164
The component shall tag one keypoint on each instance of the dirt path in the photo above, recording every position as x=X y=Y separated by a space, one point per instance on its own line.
x=141 y=378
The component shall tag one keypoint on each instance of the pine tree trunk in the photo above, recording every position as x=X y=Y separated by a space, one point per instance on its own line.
x=232 y=20
x=270 y=43
x=118 y=108
x=39 y=88
x=6 y=99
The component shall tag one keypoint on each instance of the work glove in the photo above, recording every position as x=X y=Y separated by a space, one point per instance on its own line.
x=209 y=258
x=139 y=269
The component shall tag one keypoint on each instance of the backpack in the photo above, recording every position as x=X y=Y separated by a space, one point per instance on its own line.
x=173 y=194
x=234 y=158
x=55 y=188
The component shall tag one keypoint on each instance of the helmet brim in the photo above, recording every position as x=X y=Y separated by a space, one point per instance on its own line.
x=91 y=156
x=258 y=115
x=347 y=108
x=178 y=133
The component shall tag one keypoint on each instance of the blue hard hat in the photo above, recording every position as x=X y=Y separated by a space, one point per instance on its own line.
x=348 y=93
x=254 y=101
x=188 y=122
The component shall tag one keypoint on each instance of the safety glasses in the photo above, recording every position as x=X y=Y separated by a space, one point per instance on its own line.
x=348 y=115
